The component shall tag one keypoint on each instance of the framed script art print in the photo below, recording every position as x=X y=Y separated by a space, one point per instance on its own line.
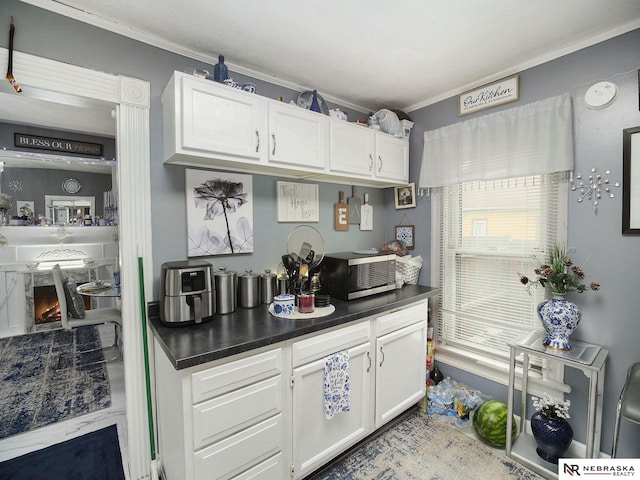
x=631 y=181
x=491 y=95
x=297 y=202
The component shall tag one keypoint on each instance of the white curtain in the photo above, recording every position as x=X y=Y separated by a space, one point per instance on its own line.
x=533 y=139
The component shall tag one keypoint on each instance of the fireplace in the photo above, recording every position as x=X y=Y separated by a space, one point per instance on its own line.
x=40 y=295
x=45 y=304
x=85 y=254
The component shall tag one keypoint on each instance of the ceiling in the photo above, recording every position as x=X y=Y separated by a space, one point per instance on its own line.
x=365 y=54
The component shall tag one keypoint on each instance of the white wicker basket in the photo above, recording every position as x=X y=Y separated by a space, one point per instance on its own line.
x=410 y=272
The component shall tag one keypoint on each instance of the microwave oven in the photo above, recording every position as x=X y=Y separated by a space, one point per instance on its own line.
x=349 y=275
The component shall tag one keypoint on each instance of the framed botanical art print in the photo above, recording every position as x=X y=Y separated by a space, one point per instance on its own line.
x=219 y=213
x=405 y=233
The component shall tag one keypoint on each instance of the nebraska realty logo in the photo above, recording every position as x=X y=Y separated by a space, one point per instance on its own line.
x=572 y=468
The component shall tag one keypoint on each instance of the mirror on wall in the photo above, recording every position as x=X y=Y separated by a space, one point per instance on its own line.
x=54 y=145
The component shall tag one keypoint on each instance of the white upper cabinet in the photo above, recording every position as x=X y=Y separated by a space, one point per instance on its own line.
x=207 y=123
x=368 y=154
x=392 y=158
x=352 y=149
x=213 y=125
x=297 y=137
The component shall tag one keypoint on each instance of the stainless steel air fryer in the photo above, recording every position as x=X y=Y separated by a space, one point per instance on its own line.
x=188 y=293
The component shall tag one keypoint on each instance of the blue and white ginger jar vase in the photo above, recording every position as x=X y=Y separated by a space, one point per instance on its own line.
x=559 y=318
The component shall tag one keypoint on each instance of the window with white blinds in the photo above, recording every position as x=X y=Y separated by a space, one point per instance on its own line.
x=490 y=232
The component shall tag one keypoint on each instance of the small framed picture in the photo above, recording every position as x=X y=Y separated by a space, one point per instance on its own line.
x=405 y=233
x=405 y=196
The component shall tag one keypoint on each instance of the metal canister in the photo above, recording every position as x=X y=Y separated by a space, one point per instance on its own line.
x=226 y=286
x=248 y=290
x=267 y=286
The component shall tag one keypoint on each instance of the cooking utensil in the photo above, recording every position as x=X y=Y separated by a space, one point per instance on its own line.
x=366 y=214
x=289 y=264
x=304 y=250
x=309 y=235
x=354 y=207
x=341 y=215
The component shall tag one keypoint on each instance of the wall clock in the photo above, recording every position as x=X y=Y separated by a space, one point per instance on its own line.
x=71 y=185
x=405 y=233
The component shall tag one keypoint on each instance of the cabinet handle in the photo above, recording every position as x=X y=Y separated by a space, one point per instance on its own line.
x=382 y=353
x=369 y=357
x=257 y=141
x=370 y=162
x=273 y=138
x=379 y=163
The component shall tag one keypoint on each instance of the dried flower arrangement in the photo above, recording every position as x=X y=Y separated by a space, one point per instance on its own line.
x=560 y=274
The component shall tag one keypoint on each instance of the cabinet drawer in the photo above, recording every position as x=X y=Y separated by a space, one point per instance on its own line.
x=401 y=318
x=270 y=469
x=232 y=376
x=237 y=453
x=228 y=414
x=325 y=344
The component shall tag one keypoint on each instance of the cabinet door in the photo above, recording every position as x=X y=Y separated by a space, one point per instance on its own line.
x=220 y=119
x=392 y=158
x=297 y=137
x=351 y=148
x=317 y=439
x=400 y=371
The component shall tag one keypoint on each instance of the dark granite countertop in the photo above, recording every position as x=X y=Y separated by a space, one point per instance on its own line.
x=250 y=328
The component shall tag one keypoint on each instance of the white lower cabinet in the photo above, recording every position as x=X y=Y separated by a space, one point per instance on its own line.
x=400 y=363
x=261 y=416
x=223 y=420
x=317 y=439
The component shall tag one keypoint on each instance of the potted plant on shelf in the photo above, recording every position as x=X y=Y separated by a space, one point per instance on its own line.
x=550 y=428
x=559 y=317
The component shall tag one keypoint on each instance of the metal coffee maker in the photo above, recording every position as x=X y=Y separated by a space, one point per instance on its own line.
x=188 y=293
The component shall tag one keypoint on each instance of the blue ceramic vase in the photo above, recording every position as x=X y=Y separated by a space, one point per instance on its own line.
x=559 y=318
x=553 y=436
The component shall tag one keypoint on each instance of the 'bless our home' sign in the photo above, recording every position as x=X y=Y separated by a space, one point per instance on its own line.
x=497 y=93
x=56 y=144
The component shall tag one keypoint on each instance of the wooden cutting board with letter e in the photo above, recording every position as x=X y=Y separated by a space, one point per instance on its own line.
x=341 y=215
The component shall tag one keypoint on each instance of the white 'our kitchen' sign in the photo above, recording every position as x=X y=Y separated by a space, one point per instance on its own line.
x=487 y=96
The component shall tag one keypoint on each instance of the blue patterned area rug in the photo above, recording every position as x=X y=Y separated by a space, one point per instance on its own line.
x=50 y=376
x=94 y=456
x=419 y=447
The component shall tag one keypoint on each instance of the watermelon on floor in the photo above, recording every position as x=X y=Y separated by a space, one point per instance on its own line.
x=490 y=422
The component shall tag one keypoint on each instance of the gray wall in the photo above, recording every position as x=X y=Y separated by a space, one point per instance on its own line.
x=610 y=317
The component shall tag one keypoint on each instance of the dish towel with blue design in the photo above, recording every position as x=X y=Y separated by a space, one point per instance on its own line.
x=336 y=384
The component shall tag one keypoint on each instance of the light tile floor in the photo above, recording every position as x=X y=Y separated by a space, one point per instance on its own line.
x=27 y=442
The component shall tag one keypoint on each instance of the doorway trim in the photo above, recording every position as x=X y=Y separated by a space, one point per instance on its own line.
x=131 y=98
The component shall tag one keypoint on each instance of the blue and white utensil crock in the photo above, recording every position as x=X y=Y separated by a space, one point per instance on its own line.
x=284 y=304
